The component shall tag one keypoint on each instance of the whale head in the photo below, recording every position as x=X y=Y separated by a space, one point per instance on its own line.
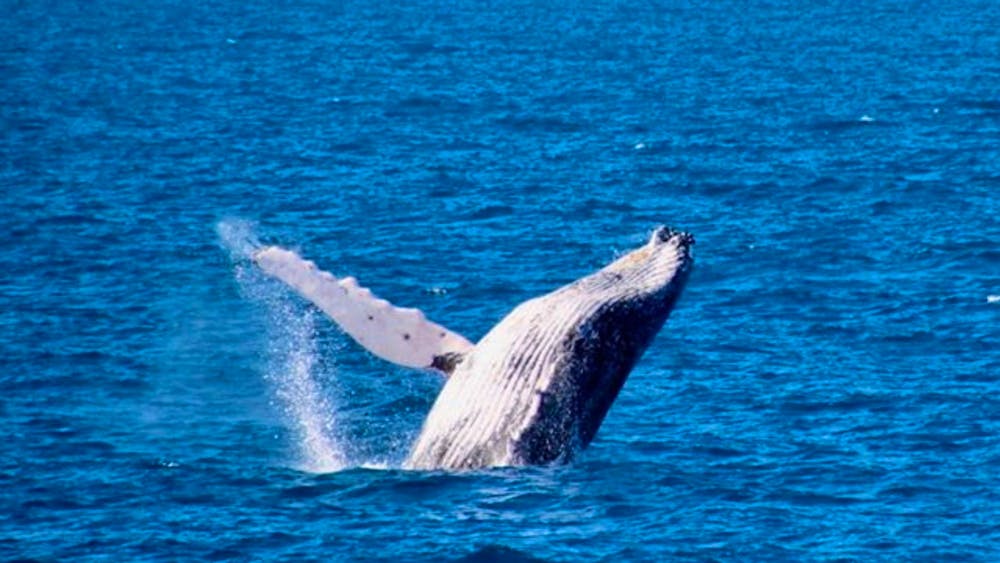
x=628 y=301
x=651 y=276
x=596 y=328
x=536 y=388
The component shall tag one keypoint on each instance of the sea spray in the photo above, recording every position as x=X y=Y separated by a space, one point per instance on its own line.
x=293 y=370
x=238 y=237
x=293 y=363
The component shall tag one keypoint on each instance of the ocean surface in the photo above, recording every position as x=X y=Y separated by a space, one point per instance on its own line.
x=828 y=388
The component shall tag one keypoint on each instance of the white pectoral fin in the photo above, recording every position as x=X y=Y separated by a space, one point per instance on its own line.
x=402 y=336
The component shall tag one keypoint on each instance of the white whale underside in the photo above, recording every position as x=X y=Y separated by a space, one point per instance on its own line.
x=495 y=395
x=537 y=386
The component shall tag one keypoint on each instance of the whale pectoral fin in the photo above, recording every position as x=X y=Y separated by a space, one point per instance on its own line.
x=402 y=336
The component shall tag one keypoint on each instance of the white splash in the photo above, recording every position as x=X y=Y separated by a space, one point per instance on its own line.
x=380 y=466
x=237 y=236
x=993 y=298
x=293 y=365
x=292 y=371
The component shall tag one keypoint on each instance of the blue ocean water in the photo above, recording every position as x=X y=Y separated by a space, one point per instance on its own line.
x=827 y=389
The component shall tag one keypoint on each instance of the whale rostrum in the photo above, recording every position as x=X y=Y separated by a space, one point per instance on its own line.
x=536 y=388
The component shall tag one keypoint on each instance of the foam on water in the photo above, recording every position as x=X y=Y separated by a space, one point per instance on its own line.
x=293 y=363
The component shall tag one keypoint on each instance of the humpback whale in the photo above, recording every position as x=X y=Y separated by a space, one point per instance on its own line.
x=536 y=388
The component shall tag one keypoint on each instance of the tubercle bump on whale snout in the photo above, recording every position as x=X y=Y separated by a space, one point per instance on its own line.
x=665 y=234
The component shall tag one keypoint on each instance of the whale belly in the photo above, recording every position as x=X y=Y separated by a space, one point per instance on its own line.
x=510 y=402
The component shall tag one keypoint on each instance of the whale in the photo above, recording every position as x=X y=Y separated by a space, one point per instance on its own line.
x=535 y=389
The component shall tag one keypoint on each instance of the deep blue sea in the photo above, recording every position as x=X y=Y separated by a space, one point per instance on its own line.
x=828 y=388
